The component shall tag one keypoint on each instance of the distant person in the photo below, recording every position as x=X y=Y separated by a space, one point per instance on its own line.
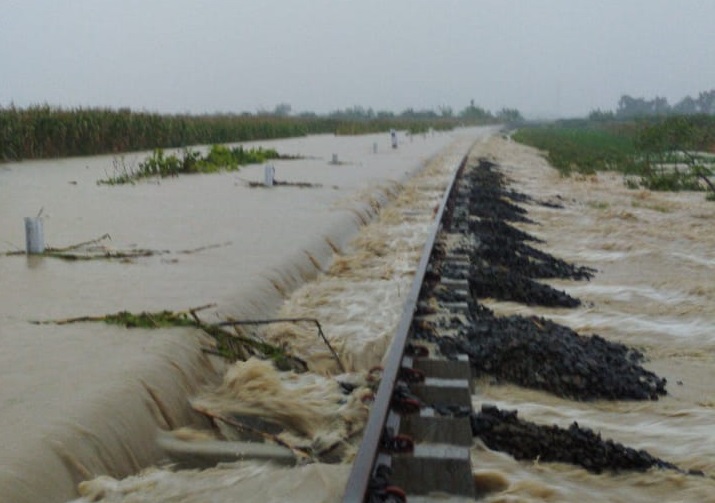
x=393 y=136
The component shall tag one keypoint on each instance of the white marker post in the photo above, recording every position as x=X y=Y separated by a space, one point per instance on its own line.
x=335 y=159
x=34 y=236
x=269 y=173
x=374 y=148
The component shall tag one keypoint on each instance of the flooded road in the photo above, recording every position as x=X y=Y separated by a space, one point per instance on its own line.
x=81 y=400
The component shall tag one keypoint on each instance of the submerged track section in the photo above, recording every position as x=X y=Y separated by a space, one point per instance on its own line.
x=420 y=430
x=418 y=435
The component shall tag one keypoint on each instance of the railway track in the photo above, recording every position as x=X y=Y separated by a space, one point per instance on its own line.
x=420 y=431
x=418 y=436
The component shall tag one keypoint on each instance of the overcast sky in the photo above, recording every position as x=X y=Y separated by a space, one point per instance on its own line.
x=544 y=57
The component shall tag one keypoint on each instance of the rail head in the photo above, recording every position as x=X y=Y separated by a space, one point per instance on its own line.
x=362 y=469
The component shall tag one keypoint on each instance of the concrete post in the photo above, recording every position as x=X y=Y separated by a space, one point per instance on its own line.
x=269 y=172
x=34 y=236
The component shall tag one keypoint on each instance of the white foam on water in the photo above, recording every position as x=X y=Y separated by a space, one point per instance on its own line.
x=83 y=400
x=653 y=290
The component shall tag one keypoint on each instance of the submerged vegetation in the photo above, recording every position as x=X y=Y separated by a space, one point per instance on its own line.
x=231 y=345
x=669 y=153
x=96 y=250
x=218 y=158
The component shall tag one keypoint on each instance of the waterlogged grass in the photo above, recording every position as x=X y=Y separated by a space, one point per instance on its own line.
x=582 y=149
x=161 y=165
x=660 y=155
x=232 y=346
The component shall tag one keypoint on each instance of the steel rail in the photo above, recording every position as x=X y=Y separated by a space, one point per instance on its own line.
x=362 y=469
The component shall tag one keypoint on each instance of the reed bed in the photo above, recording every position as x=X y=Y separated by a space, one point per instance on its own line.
x=49 y=132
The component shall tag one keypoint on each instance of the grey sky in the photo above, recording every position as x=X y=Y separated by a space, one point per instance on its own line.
x=562 y=57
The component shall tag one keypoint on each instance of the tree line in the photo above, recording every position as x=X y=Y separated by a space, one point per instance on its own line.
x=630 y=107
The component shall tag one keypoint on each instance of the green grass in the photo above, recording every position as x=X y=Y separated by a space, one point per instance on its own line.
x=656 y=155
x=582 y=149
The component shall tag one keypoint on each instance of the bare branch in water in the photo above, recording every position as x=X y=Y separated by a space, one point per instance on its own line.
x=290 y=320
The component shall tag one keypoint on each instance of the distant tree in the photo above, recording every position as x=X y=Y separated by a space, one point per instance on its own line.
x=446 y=111
x=706 y=102
x=601 y=115
x=357 y=113
x=510 y=115
x=476 y=113
x=282 y=110
x=411 y=113
x=686 y=106
x=660 y=106
x=629 y=107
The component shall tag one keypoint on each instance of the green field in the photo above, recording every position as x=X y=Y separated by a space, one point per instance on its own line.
x=660 y=154
x=582 y=149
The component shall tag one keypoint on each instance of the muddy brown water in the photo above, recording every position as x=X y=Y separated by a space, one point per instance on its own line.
x=80 y=400
x=654 y=290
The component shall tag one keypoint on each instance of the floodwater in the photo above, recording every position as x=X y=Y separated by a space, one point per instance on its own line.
x=84 y=400
x=358 y=299
x=654 y=290
x=655 y=256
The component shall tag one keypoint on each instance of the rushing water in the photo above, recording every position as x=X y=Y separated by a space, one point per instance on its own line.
x=82 y=400
x=358 y=300
x=654 y=290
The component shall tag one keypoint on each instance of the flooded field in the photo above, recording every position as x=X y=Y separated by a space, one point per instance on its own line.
x=83 y=400
x=359 y=301
x=653 y=290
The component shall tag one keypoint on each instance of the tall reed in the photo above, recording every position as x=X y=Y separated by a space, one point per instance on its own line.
x=46 y=132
